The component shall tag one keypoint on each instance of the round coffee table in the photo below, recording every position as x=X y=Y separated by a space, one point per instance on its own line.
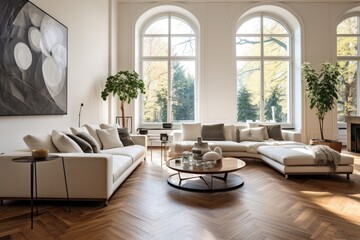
x=205 y=179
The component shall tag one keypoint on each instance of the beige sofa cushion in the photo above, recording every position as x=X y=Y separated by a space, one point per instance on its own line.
x=252 y=134
x=133 y=151
x=92 y=130
x=40 y=141
x=295 y=155
x=120 y=165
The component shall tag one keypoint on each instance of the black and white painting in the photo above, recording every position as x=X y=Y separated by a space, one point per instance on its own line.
x=33 y=61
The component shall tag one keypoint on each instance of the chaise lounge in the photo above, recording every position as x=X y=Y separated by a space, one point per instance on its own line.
x=280 y=149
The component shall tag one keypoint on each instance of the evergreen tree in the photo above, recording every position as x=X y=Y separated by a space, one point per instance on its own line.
x=274 y=101
x=182 y=94
x=245 y=110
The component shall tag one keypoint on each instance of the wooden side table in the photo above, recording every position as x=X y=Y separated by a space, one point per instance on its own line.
x=33 y=175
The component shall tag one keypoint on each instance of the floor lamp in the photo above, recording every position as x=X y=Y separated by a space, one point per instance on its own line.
x=81 y=105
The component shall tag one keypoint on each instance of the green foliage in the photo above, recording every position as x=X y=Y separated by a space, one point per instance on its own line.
x=182 y=94
x=321 y=89
x=274 y=101
x=245 y=110
x=126 y=85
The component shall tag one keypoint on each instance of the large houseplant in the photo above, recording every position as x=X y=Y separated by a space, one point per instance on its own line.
x=322 y=91
x=126 y=85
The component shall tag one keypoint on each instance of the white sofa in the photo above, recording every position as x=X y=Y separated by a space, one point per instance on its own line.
x=90 y=176
x=288 y=156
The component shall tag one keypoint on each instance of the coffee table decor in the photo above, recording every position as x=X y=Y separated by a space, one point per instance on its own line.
x=200 y=175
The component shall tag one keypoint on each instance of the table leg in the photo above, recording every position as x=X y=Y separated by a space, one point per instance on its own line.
x=36 y=195
x=151 y=150
x=66 y=186
x=32 y=192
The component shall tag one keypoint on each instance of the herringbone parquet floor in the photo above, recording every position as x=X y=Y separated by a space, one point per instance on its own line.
x=267 y=207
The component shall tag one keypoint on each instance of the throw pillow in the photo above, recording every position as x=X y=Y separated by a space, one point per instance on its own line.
x=191 y=131
x=252 y=134
x=76 y=130
x=89 y=139
x=109 y=138
x=85 y=146
x=229 y=132
x=106 y=126
x=125 y=137
x=255 y=124
x=92 y=130
x=274 y=132
x=40 y=141
x=63 y=143
x=213 y=132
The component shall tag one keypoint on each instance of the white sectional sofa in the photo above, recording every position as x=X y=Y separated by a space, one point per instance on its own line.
x=90 y=176
x=286 y=154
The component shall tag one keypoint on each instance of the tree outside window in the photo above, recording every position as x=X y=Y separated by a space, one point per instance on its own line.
x=263 y=70
x=168 y=62
x=348 y=57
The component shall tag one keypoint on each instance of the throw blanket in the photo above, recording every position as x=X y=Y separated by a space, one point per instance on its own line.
x=326 y=156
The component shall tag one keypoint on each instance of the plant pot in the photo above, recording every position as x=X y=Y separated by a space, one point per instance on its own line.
x=336 y=145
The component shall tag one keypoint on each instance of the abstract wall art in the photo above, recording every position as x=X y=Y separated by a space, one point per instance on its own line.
x=33 y=61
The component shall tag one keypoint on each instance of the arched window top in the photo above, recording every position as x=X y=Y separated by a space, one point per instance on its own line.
x=178 y=25
x=268 y=25
x=348 y=26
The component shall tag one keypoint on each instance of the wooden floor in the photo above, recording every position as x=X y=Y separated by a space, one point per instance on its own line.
x=145 y=207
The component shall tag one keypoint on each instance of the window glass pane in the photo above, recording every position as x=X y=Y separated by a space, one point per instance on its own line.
x=155 y=75
x=178 y=26
x=248 y=46
x=183 y=91
x=348 y=26
x=251 y=26
x=155 y=46
x=276 y=75
x=248 y=91
x=347 y=102
x=347 y=46
x=270 y=26
x=276 y=46
x=183 y=46
x=160 y=26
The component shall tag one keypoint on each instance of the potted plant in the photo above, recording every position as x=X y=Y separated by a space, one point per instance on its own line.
x=126 y=85
x=322 y=91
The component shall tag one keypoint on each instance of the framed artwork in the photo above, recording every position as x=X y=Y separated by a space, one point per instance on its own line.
x=33 y=61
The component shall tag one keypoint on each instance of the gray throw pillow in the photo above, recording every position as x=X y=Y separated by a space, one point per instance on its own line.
x=85 y=146
x=274 y=132
x=125 y=137
x=213 y=132
x=89 y=139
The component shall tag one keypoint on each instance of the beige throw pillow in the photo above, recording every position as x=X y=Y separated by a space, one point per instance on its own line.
x=106 y=126
x=191 y=131
x=40 y=141
x=63 y=143
x=252 y=134
x=76 y=130
x=109 y=138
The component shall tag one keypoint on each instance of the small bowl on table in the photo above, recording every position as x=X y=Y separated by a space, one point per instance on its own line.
x=40 y=153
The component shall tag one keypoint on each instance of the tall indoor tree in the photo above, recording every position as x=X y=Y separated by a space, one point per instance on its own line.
x=126 y=85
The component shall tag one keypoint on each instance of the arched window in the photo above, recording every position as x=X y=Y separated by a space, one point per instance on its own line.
x=264 y=70
x=348 y=57
x=168 y=65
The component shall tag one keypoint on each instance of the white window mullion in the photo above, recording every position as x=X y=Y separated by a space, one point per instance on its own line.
x=262 y=74
x=169 y=107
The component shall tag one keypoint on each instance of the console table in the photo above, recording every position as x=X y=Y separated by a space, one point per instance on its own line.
x=33 y=175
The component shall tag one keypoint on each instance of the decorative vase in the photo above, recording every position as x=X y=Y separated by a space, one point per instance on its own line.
x=218 y=150
x=200 y=148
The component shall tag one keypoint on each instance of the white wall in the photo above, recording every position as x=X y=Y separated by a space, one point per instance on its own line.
x=88 y=67
x=217 y=61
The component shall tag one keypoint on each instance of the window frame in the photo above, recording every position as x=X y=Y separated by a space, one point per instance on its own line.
x=262 y=58
x=343 y=125
x=169 y=59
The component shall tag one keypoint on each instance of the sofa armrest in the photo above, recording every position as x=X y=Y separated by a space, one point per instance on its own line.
x=139 y=139
x=290 y=135
x=89 y=176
